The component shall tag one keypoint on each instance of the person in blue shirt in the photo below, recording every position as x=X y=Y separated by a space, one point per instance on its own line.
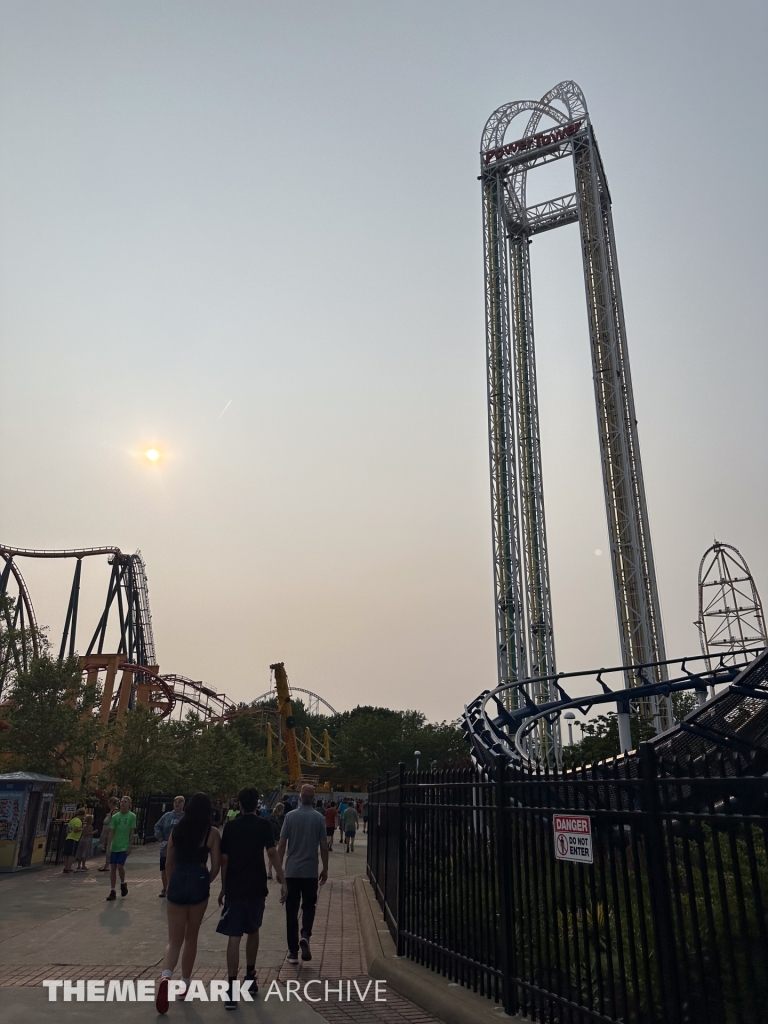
x=341 y=808
x=163 y=829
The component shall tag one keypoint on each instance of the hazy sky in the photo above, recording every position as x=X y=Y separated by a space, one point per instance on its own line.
x=275 y=206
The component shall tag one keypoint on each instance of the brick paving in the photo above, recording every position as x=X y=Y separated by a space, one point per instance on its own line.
x=337 y=953
x=395 y=1010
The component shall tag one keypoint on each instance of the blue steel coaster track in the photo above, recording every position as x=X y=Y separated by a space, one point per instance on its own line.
x=734 y=718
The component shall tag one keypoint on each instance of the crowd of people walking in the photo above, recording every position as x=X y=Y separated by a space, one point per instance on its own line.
x=291 y=840
x=245 y=844
x=346 y=817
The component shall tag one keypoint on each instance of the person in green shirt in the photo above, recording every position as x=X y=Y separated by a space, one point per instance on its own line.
x=122 y=827
x=105 y=835
x=74 y=832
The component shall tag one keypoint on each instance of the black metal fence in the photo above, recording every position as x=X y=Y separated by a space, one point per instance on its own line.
x=666 y=925
x=54 y=841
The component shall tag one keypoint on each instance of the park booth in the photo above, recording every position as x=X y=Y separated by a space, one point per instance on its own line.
x=26 y=803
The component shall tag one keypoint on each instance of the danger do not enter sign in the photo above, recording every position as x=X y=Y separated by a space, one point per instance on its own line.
x=573 y=837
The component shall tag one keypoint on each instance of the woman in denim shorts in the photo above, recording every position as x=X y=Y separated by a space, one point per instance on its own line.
x=192 y=844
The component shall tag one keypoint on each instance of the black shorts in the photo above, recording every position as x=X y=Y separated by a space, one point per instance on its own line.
x=189 y=884
x=330 y=829
x=241 y=917
x=70 y=847
x=163 y=858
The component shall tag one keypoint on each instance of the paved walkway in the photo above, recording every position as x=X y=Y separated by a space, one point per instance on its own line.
x=56 y=926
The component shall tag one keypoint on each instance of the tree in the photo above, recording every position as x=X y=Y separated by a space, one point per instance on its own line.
x=144 y=754
x=150 y=754
x=368 y=745
x=443 y=745
x=216 y=762
x=600 y=739
x=52 y=731
x=372 y=741
x=683 y=703
x=248 y=729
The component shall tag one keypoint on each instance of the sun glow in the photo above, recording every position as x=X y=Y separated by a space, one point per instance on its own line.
x=152 y=454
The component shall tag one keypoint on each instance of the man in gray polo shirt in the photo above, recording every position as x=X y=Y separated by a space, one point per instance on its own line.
x=303 y=833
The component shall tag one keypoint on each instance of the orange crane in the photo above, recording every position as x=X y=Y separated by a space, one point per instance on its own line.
x=287 y=722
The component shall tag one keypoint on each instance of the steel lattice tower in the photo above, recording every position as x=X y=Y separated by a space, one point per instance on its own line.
x=731 y=619
x=525 y=640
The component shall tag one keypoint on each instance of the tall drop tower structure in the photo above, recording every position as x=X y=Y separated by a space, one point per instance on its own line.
x=525 y=639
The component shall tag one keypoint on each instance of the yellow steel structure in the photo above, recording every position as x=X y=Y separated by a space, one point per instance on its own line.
x=287 y=722
x=307 y=759
x=118 y=685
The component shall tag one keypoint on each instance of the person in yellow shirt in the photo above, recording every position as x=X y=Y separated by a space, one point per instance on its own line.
x=85 y=846
x=74 y=832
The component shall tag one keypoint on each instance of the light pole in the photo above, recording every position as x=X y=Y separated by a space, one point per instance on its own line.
x=417 y=755
x=570 y=719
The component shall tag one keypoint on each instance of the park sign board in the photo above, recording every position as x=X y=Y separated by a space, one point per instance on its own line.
x=573 y=837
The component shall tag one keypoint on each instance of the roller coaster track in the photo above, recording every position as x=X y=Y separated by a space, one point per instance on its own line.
x=170 y=695
x=22 y=622
x=196 y=696
x=193 y=695
x=127 y=588
x=722 y=722
x=313 y=705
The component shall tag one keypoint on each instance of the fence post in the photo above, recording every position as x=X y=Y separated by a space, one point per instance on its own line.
x=384 y=884
x=369 y=844
x=504 y=856
x=400 y=923
x=659 y=887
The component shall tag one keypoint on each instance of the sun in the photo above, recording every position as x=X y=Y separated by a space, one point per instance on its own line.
x=152 y=454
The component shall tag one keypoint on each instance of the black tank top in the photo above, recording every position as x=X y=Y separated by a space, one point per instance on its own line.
x=197 y=856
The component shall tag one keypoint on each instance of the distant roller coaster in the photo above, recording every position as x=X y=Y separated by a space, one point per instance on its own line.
x=127 y=604
x=525 y=634
x=314 y=703
x=731 y=618
x=130 y=675
x=127 y=592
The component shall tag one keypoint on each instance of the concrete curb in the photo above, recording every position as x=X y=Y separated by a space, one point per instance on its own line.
x=447 y=1001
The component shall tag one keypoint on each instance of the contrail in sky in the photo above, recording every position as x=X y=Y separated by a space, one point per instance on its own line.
x=225 y=408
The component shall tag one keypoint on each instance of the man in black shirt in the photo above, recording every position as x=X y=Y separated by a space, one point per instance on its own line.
x=244 y=885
